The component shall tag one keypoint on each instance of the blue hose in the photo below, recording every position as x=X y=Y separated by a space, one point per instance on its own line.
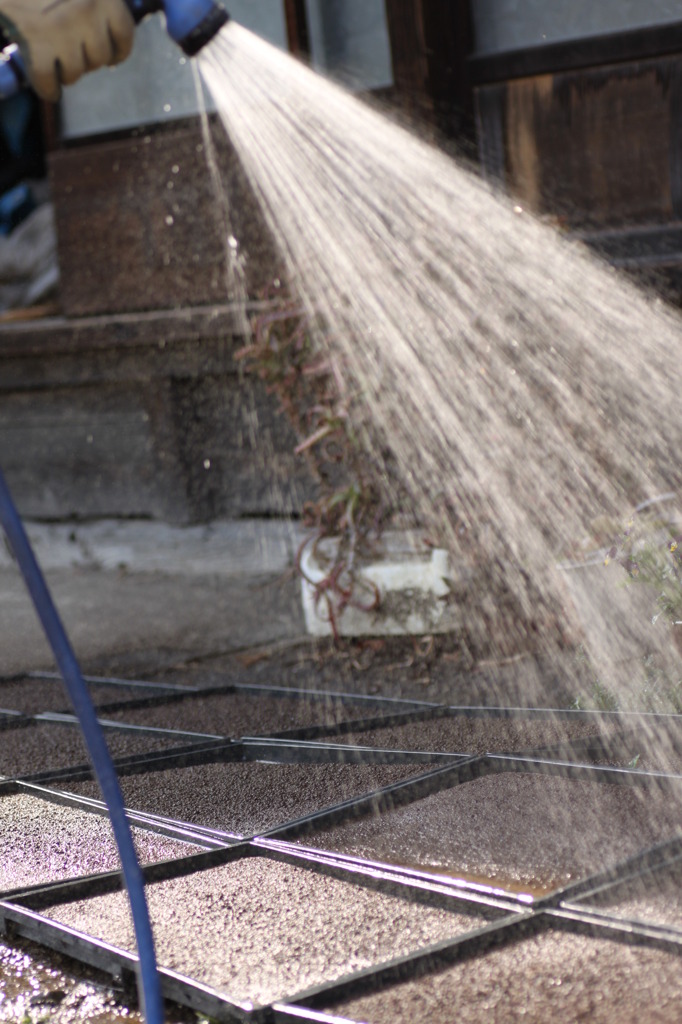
x=150 y=988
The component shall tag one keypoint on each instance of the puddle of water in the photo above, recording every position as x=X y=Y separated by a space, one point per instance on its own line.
x=494 y=885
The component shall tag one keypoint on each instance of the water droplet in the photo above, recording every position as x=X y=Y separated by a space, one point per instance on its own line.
x=169 y=221
x=233 y=243
x=207 y=463
x=167 y=108
x=175 y=169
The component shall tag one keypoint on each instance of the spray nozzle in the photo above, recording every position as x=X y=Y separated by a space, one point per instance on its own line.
x=190 y=23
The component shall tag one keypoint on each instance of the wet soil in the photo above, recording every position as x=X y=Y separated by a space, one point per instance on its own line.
x=653 y=898
x=556 y=977
x=259 y=930
x=532 y=830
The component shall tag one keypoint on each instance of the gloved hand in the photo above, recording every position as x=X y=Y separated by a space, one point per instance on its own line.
x=62 y=39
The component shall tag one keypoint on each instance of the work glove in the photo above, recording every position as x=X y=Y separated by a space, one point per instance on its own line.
x=62 y=39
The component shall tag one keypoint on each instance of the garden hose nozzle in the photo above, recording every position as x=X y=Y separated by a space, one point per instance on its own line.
x=190 y=23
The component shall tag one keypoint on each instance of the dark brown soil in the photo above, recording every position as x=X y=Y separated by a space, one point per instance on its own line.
x=441 y=669
x=33 y=696
x=238 y=714
x=44 y=746
x=469 y=735
x=249 y=798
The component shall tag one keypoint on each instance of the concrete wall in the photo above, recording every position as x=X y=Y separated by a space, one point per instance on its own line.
x=156 y=84
x=512 y=24
x=349 y=39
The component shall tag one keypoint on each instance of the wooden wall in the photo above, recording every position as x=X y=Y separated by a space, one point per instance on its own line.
x=596 y=146
x=590 y=133
x=431 y=42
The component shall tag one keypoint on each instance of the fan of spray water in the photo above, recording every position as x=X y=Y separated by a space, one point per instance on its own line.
x=524 y=389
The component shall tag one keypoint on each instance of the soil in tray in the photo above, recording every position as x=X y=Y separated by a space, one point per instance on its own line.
x=44 y=746
x=652 y=898
x=259 y=930
x=248 y=798
x=240 y=714
x=45 y=842
x=557 y=976
x=519 y=831
x=33 y=696
x=475 y=735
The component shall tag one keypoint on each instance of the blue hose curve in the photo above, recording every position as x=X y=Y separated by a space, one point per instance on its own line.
x=149 y=984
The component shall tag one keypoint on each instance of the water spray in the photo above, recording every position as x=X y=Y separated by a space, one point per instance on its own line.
x=191 y=24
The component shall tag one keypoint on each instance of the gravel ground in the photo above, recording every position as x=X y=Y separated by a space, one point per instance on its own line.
x=529 y=833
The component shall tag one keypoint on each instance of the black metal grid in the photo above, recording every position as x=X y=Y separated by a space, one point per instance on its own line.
x=507 y=917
